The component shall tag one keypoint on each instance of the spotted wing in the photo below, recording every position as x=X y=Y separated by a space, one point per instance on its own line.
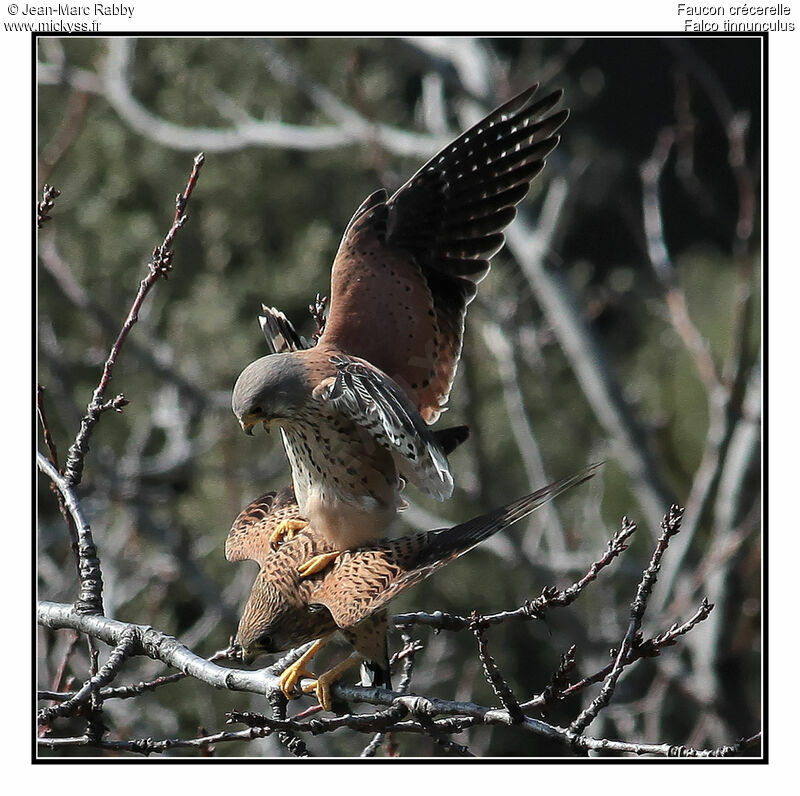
x=409 y=265
x=249 y=535
x=362 y=581
x=366 y=396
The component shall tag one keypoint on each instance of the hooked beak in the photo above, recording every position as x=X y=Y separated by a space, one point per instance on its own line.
x=247 y=426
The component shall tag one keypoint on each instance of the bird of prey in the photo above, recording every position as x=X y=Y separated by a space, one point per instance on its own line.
x=285 y=609
x=354 y=409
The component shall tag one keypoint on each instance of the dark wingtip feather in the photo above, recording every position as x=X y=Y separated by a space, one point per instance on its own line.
x=279 y=332
x=449 y=543
x=517 y=102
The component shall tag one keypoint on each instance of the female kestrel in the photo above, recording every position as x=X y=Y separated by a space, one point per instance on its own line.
x=353 y=410
x=285 y=609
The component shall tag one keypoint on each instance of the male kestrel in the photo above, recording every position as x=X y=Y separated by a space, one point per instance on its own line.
x=353 y=410
x=285 y=609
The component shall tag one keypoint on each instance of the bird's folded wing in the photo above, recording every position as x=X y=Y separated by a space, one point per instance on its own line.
x=408 y=266
x=249 y=535
x=362 y=581
x=374 y=402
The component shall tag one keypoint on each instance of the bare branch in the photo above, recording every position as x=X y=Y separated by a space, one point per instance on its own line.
x=670 y=526
x=109 y=671
x=492 y=673
x=533 y=609
x=145 y=640
x=90 y=598
x=53 y=454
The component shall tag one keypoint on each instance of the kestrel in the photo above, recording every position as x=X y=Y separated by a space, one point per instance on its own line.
x=285 y=609
x=354 y=409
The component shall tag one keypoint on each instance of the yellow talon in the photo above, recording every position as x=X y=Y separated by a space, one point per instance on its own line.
x=291 y=676
x=285 y=531
x=323 y=683
x=317 y=564
x=297 y=671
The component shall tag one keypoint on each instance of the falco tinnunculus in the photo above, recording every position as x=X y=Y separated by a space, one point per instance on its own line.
x=286 y=610
x=353 y=410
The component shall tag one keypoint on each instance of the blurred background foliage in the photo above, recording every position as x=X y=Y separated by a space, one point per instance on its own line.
x=119 y=123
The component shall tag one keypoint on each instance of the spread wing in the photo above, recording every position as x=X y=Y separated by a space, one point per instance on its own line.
x=409 y=265
x=249 y=535
x=366 y=396
x=362 y=581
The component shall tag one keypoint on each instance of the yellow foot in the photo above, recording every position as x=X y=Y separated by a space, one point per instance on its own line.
x=323 y=692
x=285 y=531
x=322 y=686
x=317 y=564
x=291 y=676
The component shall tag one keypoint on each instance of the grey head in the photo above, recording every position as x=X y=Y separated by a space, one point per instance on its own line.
x=271 y=388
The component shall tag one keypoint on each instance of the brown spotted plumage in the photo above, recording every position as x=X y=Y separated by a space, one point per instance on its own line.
x=353 y=410
x=285 y=610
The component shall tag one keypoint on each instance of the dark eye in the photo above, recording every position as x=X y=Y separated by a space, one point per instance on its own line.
x=257 y=410
x=265 y=642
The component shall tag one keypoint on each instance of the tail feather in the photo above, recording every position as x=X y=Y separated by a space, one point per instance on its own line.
x=376 y=674
x=448 y=439
x=444 y=545
x=364 y=580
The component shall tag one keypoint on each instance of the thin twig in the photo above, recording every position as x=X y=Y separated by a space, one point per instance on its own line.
x=134 y=690
x=108 y=672
x=532 y=609
x=406 y=655
x=559 y=682
x=47 y=203
x=492 y=674
x=560 y=689
x=95 y=726
x=295 y=744
x=54 y=695
x=670 y=525
x=48 y=438
x=147 y=746
x=158 y=268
